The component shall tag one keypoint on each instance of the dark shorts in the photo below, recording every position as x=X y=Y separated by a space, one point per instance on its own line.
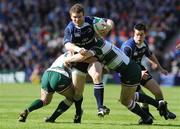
x=131 y=75
x=53 y=81
x=144 y=81
x=81 y=66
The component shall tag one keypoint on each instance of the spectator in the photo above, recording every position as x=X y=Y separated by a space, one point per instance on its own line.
x=28 y=27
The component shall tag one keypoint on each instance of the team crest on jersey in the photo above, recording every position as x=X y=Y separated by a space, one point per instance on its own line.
x=89 y=30
x=77 y=34
x=135 y=53
x=143 y=50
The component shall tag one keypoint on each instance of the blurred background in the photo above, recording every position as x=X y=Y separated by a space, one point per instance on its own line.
x=31 y=33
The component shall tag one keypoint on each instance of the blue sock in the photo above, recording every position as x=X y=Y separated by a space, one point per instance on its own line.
x=99 y=94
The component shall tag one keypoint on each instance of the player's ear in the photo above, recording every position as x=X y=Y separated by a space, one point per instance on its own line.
x=145 y=33
x=110 y=24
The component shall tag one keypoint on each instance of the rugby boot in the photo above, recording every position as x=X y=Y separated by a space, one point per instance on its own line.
x=77 y=117
x=103 y=111
x=147 y=121
x=163 y=111
x=171 y=115
x=49 y=120
x=23 y=115
x=147 y=112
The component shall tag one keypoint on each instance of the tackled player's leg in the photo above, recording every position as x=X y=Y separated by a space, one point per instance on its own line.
x=154 y=88
x=79 y=80
x=39 y=103
x=63 y=105
x=127 y=99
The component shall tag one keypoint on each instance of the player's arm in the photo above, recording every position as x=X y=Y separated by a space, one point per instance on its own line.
x=69 y=45
x=91 y=60
x=155 y=60
x=152 y=64
x=72 y=47
x=79 y=57
x=127 y=50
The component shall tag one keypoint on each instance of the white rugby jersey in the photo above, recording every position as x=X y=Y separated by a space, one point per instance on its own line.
x=110 y=55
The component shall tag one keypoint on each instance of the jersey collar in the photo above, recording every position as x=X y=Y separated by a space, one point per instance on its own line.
x=142 y=45
x=84 y=25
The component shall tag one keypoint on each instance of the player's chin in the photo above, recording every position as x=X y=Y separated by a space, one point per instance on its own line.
x=102 y=34
x=139 y=42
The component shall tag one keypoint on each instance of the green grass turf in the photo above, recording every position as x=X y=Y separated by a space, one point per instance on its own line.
x=15 y=97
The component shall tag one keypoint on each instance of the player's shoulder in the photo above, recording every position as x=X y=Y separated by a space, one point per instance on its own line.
x=130 y=42
x=89 y=19
x=146 y=43
x=70 y=26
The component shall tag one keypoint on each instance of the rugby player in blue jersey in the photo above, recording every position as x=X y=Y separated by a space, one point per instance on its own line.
x=78 y=36
x=116 y=60
x=137 y=47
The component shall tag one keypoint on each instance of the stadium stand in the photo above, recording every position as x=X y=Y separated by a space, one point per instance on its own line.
x=31 y=31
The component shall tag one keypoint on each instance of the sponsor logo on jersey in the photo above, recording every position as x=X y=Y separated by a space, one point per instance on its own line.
x=77 y=34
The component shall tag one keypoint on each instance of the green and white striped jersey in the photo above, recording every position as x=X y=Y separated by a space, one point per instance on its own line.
x=59 y=62
x=111 y=56
x=58 y=66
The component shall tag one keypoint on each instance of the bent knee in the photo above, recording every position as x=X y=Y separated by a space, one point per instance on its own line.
x=77 y=97
x=45 y=102
x=78 y=92
x=157 y=93
x=96 y=77
x=128 y=104
x=125 y=102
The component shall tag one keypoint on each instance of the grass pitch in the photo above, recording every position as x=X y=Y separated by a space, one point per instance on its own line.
x=15 y=97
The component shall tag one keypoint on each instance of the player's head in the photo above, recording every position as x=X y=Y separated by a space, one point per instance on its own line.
x=77 y=14
x=139 y=33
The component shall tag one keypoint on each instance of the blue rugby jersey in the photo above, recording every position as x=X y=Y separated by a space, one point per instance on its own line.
x=83 y=36
x=135 y=52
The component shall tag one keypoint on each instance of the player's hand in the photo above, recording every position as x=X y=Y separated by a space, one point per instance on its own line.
x=67 y=64
x=83 y=51
x=144 y=75
x=163 y=71
x=153 y=65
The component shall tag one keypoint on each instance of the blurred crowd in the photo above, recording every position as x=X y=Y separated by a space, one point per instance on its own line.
x=31 y=31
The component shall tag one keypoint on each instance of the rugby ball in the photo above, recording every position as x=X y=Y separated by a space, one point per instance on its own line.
x=99 y=25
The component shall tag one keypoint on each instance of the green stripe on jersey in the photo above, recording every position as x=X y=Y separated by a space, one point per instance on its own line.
x=110 y=55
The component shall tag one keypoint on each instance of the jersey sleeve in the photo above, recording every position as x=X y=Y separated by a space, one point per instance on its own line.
x=97 y=52
x=89 y=19
x=148 y=52
x=67 y=35
x=128 y=51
